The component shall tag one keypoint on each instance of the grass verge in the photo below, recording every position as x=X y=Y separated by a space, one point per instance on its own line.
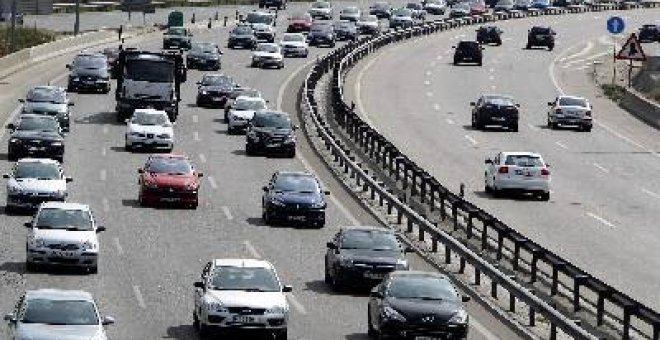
x=24 y=38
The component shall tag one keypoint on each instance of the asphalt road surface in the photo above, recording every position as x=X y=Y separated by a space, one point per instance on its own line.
x=604 y=209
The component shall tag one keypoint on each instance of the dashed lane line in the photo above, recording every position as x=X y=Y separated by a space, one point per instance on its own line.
x=561 y=145
x=104 y=151
x=202 y=158
x=120 y=250
x=227 y=213
x=214 y=185
x=250 y=249
x=436 y=107
x=195 y=119
x=651 y=193
x=138 y=297
x=601 y=168
x=450 y=122
x=427 y=83
x=103 y=175
x=471 y=140
x=105 y=130
x=601 y=220
x=582 y=52
x=429 y=94
x=106 y=204
x=196 y=136
x=296 y=304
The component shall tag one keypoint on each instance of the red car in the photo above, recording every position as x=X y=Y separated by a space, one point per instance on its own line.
x=301 y=22
x=477 y=8
x=169 y=178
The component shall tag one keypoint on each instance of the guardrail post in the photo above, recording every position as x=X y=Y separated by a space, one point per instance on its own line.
x=413 y=181
x=512 y=302
x=537 y=253
x=454 y=213
x=493 y=288
x=461 y=265
x=553 y=331
x=518 y=241
x=578 y=281
x=477 y=276
x=484 y=235
x=532 y=313
x=447 y=255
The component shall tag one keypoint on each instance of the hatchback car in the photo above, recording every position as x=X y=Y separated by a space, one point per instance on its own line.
x=401 y=18
x=321 y=10
x=149 y=129
x=322 y=34
x=204 y=56
x=649 y=33
x=294 y=45
x=89 y=72
x=35 y=136
x=361 y=256
x=271 y=132
x=459 y=10
x=169 y=179
x=241 y=295
x=294 y=197
x=50 y=101
x=56 y=314
x=497 y=110
x=63 y=234
x=504 y=5
x=570 y=110
x=214 y=90
x=489 y=35
x=468 y=52
x=267 y=55
x=243 y=36
x=541 y=36
x=382 y=10
x=33 y=181
x=524 y=172
x=242 y=111
x=418 y=11
x=299 y=22
x=368 y=24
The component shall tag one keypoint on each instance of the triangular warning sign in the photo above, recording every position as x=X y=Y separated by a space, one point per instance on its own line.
x=631 y=50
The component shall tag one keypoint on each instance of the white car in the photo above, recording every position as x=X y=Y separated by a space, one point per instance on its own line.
x=517 y=171
x=63 y=234
x=437 y=7
x=295 y=45
x=267 y=54
x=321 y=9
x=149 y=128
x=33 y=181
x=350 y=13
x=242 y=112
x=368 y=24
x=56 y=314
x=570 y=110
x=241 y=294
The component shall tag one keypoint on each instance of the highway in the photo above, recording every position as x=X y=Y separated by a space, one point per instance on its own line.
x=603 y=211
x=150 y=257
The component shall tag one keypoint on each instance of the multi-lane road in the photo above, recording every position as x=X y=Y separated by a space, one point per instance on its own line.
x=603 y=211
x=149 y=258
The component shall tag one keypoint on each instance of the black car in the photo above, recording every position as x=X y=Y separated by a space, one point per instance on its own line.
x=382 y=10
x=489 y=35
x=541 y=37
x=89 y=72
x=204 y=55
x=35 y=136
x=214 y=90
x=414 y=304
x=468 y=51
x=279 y=4
x=50 y=101
x=294 y=197
x=271 y=132
x=112 y=53
x=495 y=110
x=345 y=30
x=649 y=33
x=321 y=34
x=243 y=36
x=362 y=256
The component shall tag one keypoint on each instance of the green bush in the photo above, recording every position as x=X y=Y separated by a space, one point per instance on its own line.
x=24 y=38
x=614 y=92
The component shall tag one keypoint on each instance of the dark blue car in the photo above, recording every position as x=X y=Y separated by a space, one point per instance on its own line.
x=294 y=197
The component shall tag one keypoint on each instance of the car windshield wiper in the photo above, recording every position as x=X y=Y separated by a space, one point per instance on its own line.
x=306 y=192
x=44 y=178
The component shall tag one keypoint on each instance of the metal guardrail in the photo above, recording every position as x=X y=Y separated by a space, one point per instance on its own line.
x=437 y=197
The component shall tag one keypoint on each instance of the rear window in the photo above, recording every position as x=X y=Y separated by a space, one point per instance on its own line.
x=523 y=161
x=540 y=30
x=572 y=102
x=503 y=101
x=468 y=45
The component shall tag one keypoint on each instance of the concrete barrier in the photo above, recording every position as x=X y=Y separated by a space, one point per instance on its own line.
x=641 y=107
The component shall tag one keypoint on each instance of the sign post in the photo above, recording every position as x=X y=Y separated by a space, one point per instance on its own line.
x=615 y=25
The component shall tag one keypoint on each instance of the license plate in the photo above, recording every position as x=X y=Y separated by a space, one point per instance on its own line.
x=170 y=199
x=244 y=319
x=540 y=37
x=519 y=172
x=59 y=253
x=297 y=218
x=374 y=276
x=273 y=145
x=499 y=119
x=426 y=338
x=36 y=148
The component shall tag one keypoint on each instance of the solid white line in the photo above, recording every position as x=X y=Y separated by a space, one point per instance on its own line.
x=450 y=122
x=428 y=73
x=471 y=140
x=105 y=130
x=250 y=249
x=202 y=158
x=601 y=168
x=357 y=87
x=196 y=136
x=104 y=151
x=650 y=193
x=561 y=145
x=492 y=87
x=103 y=175
x=491 y=70
x=138 y=297
x=584 y=51
x=214 y=185
x=227 y=213
x=195 y=118
x=491 y=78
x=120 y=250
x=601 y=220
x=436 y=107
x=296 y=304
x=591 y=57
x=583 y=67
x=612 y=131
x=106 y=204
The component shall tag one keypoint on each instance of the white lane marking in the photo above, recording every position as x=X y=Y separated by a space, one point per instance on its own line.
x=196 y=136
x=439 y=57
x=551 y=69
x=601 y=220
x=483 y=330
x=296 y=304
x=436 y=107
x=227 y=213
x=450 y=122
x=583 y=67
x=104 y=151
x=584 y=51
x=491 y=78
x=106 y=204
x=492 y=87
x=214 y=185
x=471 y=140
x=651 y=193
x=202 y=158
x=432 y=64
x=195 y=119
x=491 y=70
x=579 y=61
x=250 y=249
x=105 y=130
x=357 y=87
x=103 y=175
x=428 y=73
x=533 y=127
x=561 y=145
x=58 y=78
x=427 y=83
x=120 y=250
x=429 y=94
x=612 y=131
x=138 y=297
x=601 y=168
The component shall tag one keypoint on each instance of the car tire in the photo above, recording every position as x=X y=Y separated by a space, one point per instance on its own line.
x=281 y=334
x=326 y=277
x=528 y=47
x=586 y=128
x=128 y=148
x=60 y=159
x=487 y=188
x=291 y=153
x=204 y=331
x=12 y=157
x=480 y=63
x=545 y=196
x=456 y=61
x=372 y=333
x=249 y=150
x=195 y=321
x=29 y=265
x=336 y=284
x=514 y=127
x=94 y=269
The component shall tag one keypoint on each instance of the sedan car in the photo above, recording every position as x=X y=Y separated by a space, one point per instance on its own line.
x=436 y=7
x=89 y=72
x=572 y=111
x=33 y=181
x=35 y=136
x=468 y=51
x=271 y=132
x=294 y=197
x=242 y=111
x=417 y=305
x=264 y=32
x=478 y=7
x=322 y=34
x=417 y=9
x=346 y=30
x=460 y=10
x=321 y=10
x=204 y=56
x=649 y=33
x=522 y=5
x=50 y=101
x=149 y=128
x=362 y=256
x=488 y=34
x=294 y=45
x=56 y=314
x=368 y=24
x=169 y=179
x=382 y=10
x=350 y=13
x=541 y=36
x=494 y=109
x=299 y=22
x=243 y=36
x=504 y=5
x=214 y=90
x=63 y=234
x=401 y=18
x=518 y=172
x=241 y=294
x=267 y=55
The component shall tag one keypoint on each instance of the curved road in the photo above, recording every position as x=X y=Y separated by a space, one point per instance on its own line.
x=605 y=203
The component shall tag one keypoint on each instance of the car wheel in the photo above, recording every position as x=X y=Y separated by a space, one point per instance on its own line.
x=586 y=128
x=267 y=217
x=141 y=201
x=327 y=278
x=60 y=159
x=336 y=284
x=291 y=153
x=479 y=62
x=545 y=196
x=195 y=321
x=249 y=149
x=514 y=127
x=529 y=46
x=487 y=188
x=281 y=334
x=551 y=47
x=29 y=265
x=12 y=157
x=455 y=61
x=93 y=270
x=371 y=331
x=128 y=147
x=204 y=331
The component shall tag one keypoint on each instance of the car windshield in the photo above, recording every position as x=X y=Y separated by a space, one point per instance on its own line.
x=540 y=30
x=171 y=166
x=217 y=81
x=463 y=6
x=468 y=45
x=244 y=278
x=91 y=62
x=296 y=183
x=321 y=28
x=523 y=161
x=505 y=2
x=56 y=218
x=37 y=170
x=369 y=18
x=111 y=52
x=277 y=121
x=243 y=30
x=321 y=5
x=204 y=48
x=38 y=123
x=268 y=48
x=498 y=100
x=176 y=31
x=402 y=12
x=293 y=37
x=369 y=239
x=247 y=92
x=250 y=105
x=412 y=5
x=351 y=10
x=301 y=16
x=344 y=24
x=567 y=101
x=421 y=287
x=60 y=312
x=144 y=118
x=155 y=71
x=381 y=5
x=46 y=95
x=259 y=18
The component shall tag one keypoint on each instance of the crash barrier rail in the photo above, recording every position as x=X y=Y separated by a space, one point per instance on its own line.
x=526 y=256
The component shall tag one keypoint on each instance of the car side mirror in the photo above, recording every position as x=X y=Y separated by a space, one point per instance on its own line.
x=68 y=66
x=5 y=176
x=10 y=317
x=27 y=224
x=551 y=103
x=489 y=161
x=465 y=298
x=264 y=188
x=331 y=245
x=375 y=293
x=107 y=320
x=408 y=249
x=11 y=126
x=517 y=105
x=71 y=104
x=473 y=104
x=287 y=289
x=326 y=192
x=200 y=174
x=198 y=284
x=199 y=83
x=68 y=179
x=164 y=33
x=21 y=100
x=453 y=47
x=100 y=229
x=140 y=171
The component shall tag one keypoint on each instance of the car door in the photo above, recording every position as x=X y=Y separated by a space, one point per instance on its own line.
x=331 y=254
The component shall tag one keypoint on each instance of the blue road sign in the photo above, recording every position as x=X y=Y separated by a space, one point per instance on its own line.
x=615 y=25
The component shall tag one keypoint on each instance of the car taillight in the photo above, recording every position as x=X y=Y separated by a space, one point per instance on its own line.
x=558 y=111
x=588 y=113
x=503 y=170
x=545 y=172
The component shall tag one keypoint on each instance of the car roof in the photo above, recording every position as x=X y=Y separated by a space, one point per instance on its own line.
x=35 y=116
x=294 y=173
x=497 y=95
x=150 y=111
x=38 y=160
x=521 y=153
x=64 y=205
x=268 y=44
x=90 y=54
x=271 y=112
x=243 y=263
x=48 y=87
x=571 y=97
x=403 y=273
x=59 y=294
x=344 y=229
x=250 y=99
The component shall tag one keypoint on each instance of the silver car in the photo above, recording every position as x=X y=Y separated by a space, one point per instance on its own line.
x=33 y=181
x=51 y=101
x=570 y=110
x=46 y=314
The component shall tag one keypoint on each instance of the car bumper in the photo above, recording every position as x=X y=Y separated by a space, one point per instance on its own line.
x=210 y=64
x=62 y=258
x=129 y=105
x=321 y=41
x=215 y=100
x=236 y=124
x=169 y=196
x=243 y=43
x=265 y=36
x=524 y=185
x=297 y=28
x=176 y=43
x=147 y=142
x=20 y=151
x=268 y=62
x=572 y=121
x=412 y=331
x=32 y=201
x=229 y=322
x=89 y=84
x=272 y=147
x=501 y=121
x=290 y=213
x=295 y=51
x=361 y=277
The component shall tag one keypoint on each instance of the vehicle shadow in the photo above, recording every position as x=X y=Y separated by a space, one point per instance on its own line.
x=357 y=336
x=181 y=332
x=506 y=196
x=320 y=287
x=99 y=118
x=18 y=212
x=256 y=221
x=241 y=152
x=222 y=132
x=13 y=267
x=134 y=203
x=219 y=120
x=486 y=129
x=4 y=156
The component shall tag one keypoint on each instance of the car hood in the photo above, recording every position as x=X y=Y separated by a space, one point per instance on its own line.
x=294 y=44
x=177 y=36
x=226 y=89
x=319 y=34
x=171 y=180
x=401 y=18
x=300 y=22
x=239 y=298
x=297 y=197
x=272 y=131
x=35 y=331
x=266 y=54
x=155 y=129
x=415 y=308
x=204 y=55
x=245 y=114
x=37 y=185
x=30 y=107
x=372 y=256
x=58 y=236
x=96 y=72
x=262 y=27
x=367 y=23
x=37 y=134
x=242 y=36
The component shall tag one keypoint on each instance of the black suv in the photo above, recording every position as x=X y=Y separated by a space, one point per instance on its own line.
x=204 y=55
x=468 y=51
x=346 y=30
x=649 y=33
x=489 y=35
x=542 y=37
x=294 y=197
x=242 y=35
x=89 y=72
x=362 y=256
x=214 y=90
x=271 y=132
x=279 y=4
x=35 y=136
x=495 y=110
x=321 y=34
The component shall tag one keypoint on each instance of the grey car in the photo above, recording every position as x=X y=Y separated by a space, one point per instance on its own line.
x=56 y=314
x=204 y=55
x=50 y=101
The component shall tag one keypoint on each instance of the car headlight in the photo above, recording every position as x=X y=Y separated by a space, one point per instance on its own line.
x=204 y=92
x=253 y=135
x=290 y=138
x=56 y=143
x=88 y=245
x=392 y=314
x=75 y=78
x=401 y=264
x=461 y=317
x=217 y=307
x=318 y=205
x=150 y=184
x=276 y=310
x=164 y=135
x=15 y=141
x=345 y=262
x=191 y=186
x=277 y=202
x=254 y=57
